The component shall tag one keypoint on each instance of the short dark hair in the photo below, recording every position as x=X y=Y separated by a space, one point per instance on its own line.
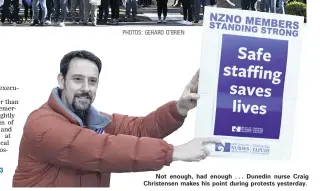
x=65 y=61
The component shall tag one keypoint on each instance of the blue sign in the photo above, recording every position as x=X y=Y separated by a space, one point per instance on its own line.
x=250 y=87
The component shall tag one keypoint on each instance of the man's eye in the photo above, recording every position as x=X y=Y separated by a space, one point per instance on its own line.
x=77 y=79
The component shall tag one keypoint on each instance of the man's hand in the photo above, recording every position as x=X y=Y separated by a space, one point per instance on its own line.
x=189 y=97
x=194 y=150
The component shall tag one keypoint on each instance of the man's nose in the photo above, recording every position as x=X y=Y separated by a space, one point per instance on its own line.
x=85 y=86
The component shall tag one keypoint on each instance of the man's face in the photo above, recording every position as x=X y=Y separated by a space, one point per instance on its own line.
x=80 y=84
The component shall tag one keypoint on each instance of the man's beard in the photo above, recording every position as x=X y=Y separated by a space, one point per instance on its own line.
x=81 y=103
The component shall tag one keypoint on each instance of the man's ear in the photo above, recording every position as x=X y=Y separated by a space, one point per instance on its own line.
x=60 y=79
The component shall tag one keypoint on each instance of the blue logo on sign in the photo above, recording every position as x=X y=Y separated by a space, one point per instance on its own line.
x=1 y=169
x=236 y=129
x=222 y=147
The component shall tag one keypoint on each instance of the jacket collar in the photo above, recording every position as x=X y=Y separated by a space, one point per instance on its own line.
x=96 y=121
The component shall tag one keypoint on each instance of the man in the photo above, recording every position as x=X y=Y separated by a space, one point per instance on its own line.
x=68 y=143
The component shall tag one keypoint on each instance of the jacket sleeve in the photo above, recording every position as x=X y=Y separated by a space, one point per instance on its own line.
x=53 y=140
x=158 y=124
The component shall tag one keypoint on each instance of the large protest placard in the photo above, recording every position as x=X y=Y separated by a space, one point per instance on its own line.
x=248 y=82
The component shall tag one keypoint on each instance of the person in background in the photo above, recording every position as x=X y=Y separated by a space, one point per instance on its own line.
x=187 y=12
x=35 y=7
x=50 y=6
x=146 y=3
x=40 y=10
x=253 y=5
x=27 y=4
x=5 y=12
x=76 y=145
x=131 y=6
x=115 y=11
x=104 y=10
x=162 y=8
x=63 y=6
x=264 y=5
x=248 y=4
x=245 y=4
x=140 y=3
x=73 y=10
x=277 y=9
x=90 y=8
x=197 y=8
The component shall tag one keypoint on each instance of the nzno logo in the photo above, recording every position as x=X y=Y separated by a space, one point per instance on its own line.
x=236 y=128
x=223 y=147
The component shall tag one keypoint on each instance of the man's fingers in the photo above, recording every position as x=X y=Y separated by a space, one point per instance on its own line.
x=195 y=78
x=210 y=140
x=207 y=152
x=194 y=88
x=193 y=96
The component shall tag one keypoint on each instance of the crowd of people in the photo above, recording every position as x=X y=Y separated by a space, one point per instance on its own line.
x=56 y=12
